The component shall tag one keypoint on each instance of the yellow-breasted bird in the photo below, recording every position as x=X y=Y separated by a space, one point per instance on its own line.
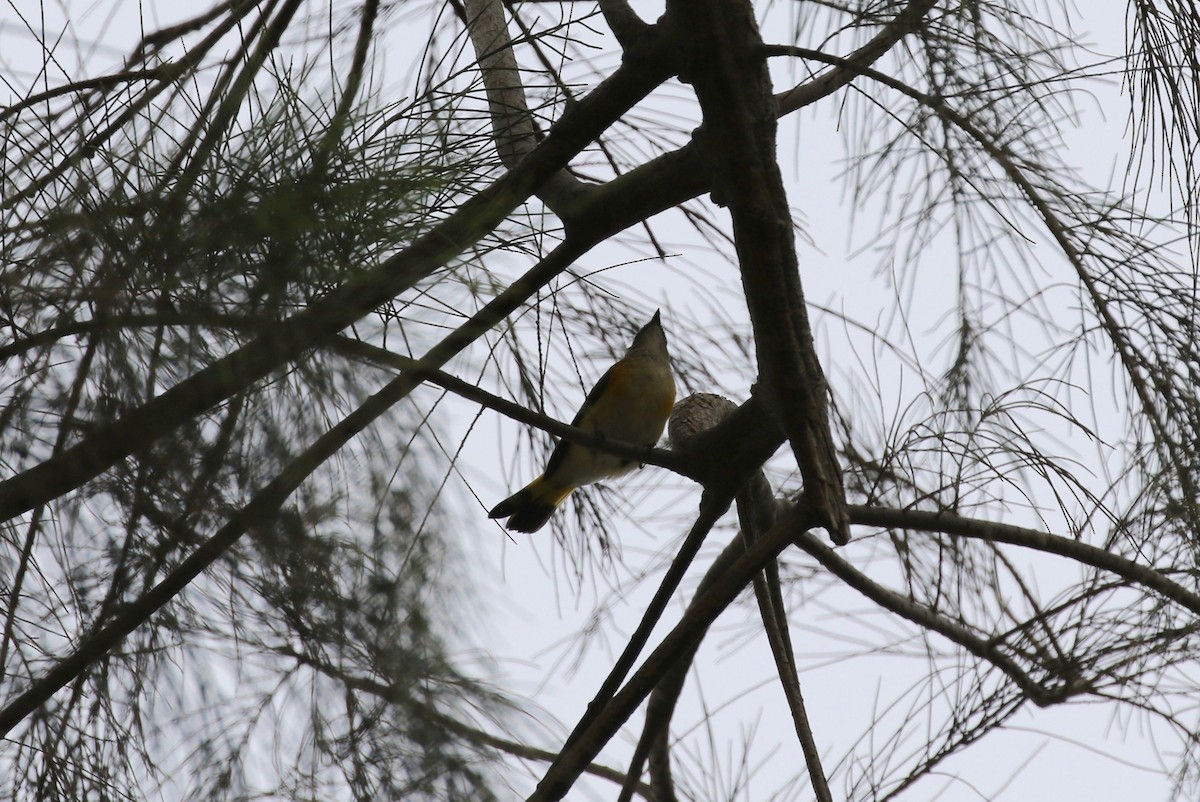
x=630 y=403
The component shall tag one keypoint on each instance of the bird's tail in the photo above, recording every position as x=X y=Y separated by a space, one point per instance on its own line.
x=529 y=508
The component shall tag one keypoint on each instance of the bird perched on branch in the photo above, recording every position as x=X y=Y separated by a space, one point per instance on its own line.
x=630 y=403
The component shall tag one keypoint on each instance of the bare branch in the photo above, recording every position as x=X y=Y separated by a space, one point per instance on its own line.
x=623 y=21
x=952 y=524
x=904 y=23
x=929 y=619
x=512 y=123
x=724 y=590
x=722 y=48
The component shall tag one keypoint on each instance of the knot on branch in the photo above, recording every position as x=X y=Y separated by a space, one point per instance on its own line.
x=697 y=413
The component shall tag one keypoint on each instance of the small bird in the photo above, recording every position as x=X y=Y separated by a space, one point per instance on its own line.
x=630 y=403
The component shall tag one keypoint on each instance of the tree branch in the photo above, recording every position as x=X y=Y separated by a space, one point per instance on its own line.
x=712 y=506
x=756 y=508
x=951 y=524
x=623 y=21
x=769 y=595
x=659 y=184
x=565 y=770
x=267 y=500
x=512 y=124
x=850 y=67
x=646 y=455
x=924 y=617
x=722 y=54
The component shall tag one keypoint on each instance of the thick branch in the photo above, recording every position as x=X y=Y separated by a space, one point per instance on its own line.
x=622 y=20
x=723 y=58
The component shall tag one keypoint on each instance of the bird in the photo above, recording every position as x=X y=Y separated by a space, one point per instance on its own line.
x=631 y=403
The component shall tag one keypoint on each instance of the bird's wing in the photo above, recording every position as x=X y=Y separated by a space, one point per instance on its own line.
x=564 y=446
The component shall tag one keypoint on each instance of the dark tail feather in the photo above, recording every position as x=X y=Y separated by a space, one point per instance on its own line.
x=527 y=510
x=511 y=504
